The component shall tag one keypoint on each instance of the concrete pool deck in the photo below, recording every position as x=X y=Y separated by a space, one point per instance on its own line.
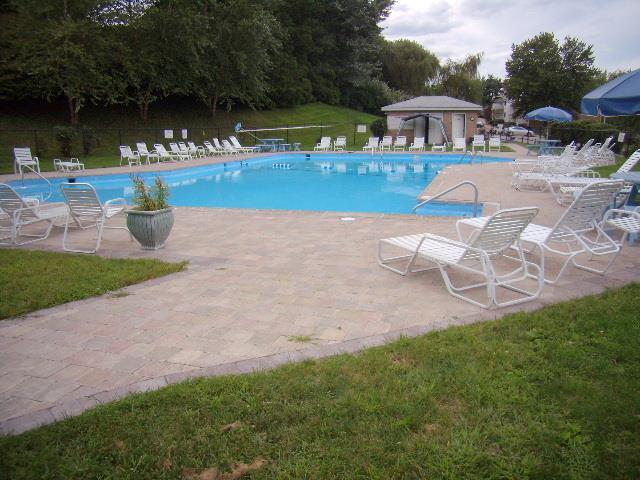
x=262 y=288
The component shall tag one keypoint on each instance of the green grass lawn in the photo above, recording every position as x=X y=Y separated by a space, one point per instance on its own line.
x=31 y=280
x=607 y=170
x=550 y=394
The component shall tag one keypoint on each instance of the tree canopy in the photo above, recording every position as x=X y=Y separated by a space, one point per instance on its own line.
x=541 y=72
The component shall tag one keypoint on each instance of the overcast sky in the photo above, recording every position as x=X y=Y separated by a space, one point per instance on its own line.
x=455 y=28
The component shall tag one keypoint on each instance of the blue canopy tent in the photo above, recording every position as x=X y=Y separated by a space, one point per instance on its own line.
x=619 y=97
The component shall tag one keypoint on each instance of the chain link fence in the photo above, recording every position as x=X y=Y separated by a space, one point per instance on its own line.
x=104 y=142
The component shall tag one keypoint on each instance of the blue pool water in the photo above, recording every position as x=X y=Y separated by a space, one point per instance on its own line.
x=336 y=182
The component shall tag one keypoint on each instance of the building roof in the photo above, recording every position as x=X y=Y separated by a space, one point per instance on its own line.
x=432 y=102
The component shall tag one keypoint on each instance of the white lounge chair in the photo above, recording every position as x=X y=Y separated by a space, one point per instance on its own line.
x=577 y=231
x=494 y=144
x=236 y=144
x=73 y=164
x=386 y=143
x=211 y=150
x=340 y=143
x=129 y=156
x=400 y=144
x=324 y=145
x=144 y=152
x=186 y=150
x=417 y=145
x=564 y=188
x=229 y=148
x=459 y=144
x=22 y=158
x=372 y=145
x=177 y=152
x=439 y=147
x=163 y=154
x=220 y=148
x=21 y=213
x=478 y=142
x=195 y=150
x=84 y=205
x=499 y=232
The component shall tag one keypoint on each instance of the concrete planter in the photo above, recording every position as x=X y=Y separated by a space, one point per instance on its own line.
x=151 y=229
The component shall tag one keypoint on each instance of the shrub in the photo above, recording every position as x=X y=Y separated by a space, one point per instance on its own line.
x=379 y=128
x=581 y=131
x=89 y=139
x=66 y=137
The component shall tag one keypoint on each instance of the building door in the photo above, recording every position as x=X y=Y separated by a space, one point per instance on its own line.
x=419 y=127
x=458 y=127
x=435 y=128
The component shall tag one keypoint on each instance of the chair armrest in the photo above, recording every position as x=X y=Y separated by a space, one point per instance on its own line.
x=617 y=211
x=115 y=201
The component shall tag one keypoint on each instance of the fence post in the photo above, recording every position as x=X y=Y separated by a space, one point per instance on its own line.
x=119 y=137
x=35 y=141
x=355 y=131
x=218 y=132
x=287 y=134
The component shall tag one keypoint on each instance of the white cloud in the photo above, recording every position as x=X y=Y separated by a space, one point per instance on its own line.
x=456 y=28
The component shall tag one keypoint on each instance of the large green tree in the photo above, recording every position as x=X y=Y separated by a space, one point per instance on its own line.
x=408 y=66
x=541 y=72
x=460 y=79
x=492 y=89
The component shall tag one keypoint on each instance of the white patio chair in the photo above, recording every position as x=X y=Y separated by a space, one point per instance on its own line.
x=417 y=145
x=185 y=150
x=476 y=258
x=340 y=143
x=224 y=151
x=144 y=152
x=565 y=188
x=229 y=148
x=494 y=144
x=372 y=145
x=21 y=213
x=211 y=150
x=478 y=142
x=178 y=153
x=324 y=145
x=195 y=150
x=626 y=221
x=163 y=154
x=238 y=146
x=459 y=144
x=73 y=164
x=386 y=143
x=129 y=156
x=23 y=158
x=84 y=205
x=439 y=147
x=577 y=231
x=400 y=144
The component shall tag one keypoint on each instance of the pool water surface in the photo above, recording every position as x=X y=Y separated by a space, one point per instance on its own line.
x=319 y=182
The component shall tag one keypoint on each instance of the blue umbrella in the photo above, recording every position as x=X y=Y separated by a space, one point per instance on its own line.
x=620 y=96
x=549 y=114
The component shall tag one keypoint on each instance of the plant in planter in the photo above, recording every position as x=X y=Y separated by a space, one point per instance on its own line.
x=151 y=220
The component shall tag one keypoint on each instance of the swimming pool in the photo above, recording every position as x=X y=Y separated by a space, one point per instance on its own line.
x=321 y=182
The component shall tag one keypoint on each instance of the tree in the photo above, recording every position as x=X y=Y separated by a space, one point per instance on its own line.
x=492 y=89
x=460 y=79
x=65 y=53
x=408 y=66
x=542 y=72
x=234 y=54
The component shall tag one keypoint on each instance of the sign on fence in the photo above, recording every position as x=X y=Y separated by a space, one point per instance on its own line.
x=185 y=134
x=362 y=128
x=168 y=134
x=621 y=136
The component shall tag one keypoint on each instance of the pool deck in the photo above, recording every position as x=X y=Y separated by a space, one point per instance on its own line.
x=262 y=288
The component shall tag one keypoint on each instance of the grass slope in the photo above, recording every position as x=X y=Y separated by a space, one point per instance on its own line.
x=548 y=394
x=31 y=280
x=115 y=127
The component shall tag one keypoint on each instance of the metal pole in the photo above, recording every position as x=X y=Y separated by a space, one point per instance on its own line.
x=355 y=131
x=119 y=137
x=35 y=141
x=287 y=134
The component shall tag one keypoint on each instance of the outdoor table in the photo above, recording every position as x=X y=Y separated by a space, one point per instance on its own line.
x=297 y=146
x=284 y=147
x=548 y=146
x=273 y=143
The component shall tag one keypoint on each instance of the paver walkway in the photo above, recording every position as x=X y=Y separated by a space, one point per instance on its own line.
x=258 y=283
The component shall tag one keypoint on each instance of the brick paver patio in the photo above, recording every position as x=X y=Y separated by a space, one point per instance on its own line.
x=258 y=284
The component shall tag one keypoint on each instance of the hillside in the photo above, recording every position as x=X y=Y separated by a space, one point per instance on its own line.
x=33 y=126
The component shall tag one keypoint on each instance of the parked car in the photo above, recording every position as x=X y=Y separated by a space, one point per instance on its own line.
x=519 y=131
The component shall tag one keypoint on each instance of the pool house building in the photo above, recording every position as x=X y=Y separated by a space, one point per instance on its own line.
x=433 y=117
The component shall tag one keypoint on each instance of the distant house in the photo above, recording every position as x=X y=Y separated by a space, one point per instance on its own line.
x=433 y=117
x=503 y=110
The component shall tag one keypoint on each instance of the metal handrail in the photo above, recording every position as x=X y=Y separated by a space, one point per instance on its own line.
x=450 y=189
x=38 y=174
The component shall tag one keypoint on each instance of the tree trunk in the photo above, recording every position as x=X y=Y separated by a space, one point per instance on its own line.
x=213 y=105
x=143 y=107
x=73 y=113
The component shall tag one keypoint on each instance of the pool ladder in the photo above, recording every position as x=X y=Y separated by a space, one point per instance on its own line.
x=451 y=189
x=43 y=198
